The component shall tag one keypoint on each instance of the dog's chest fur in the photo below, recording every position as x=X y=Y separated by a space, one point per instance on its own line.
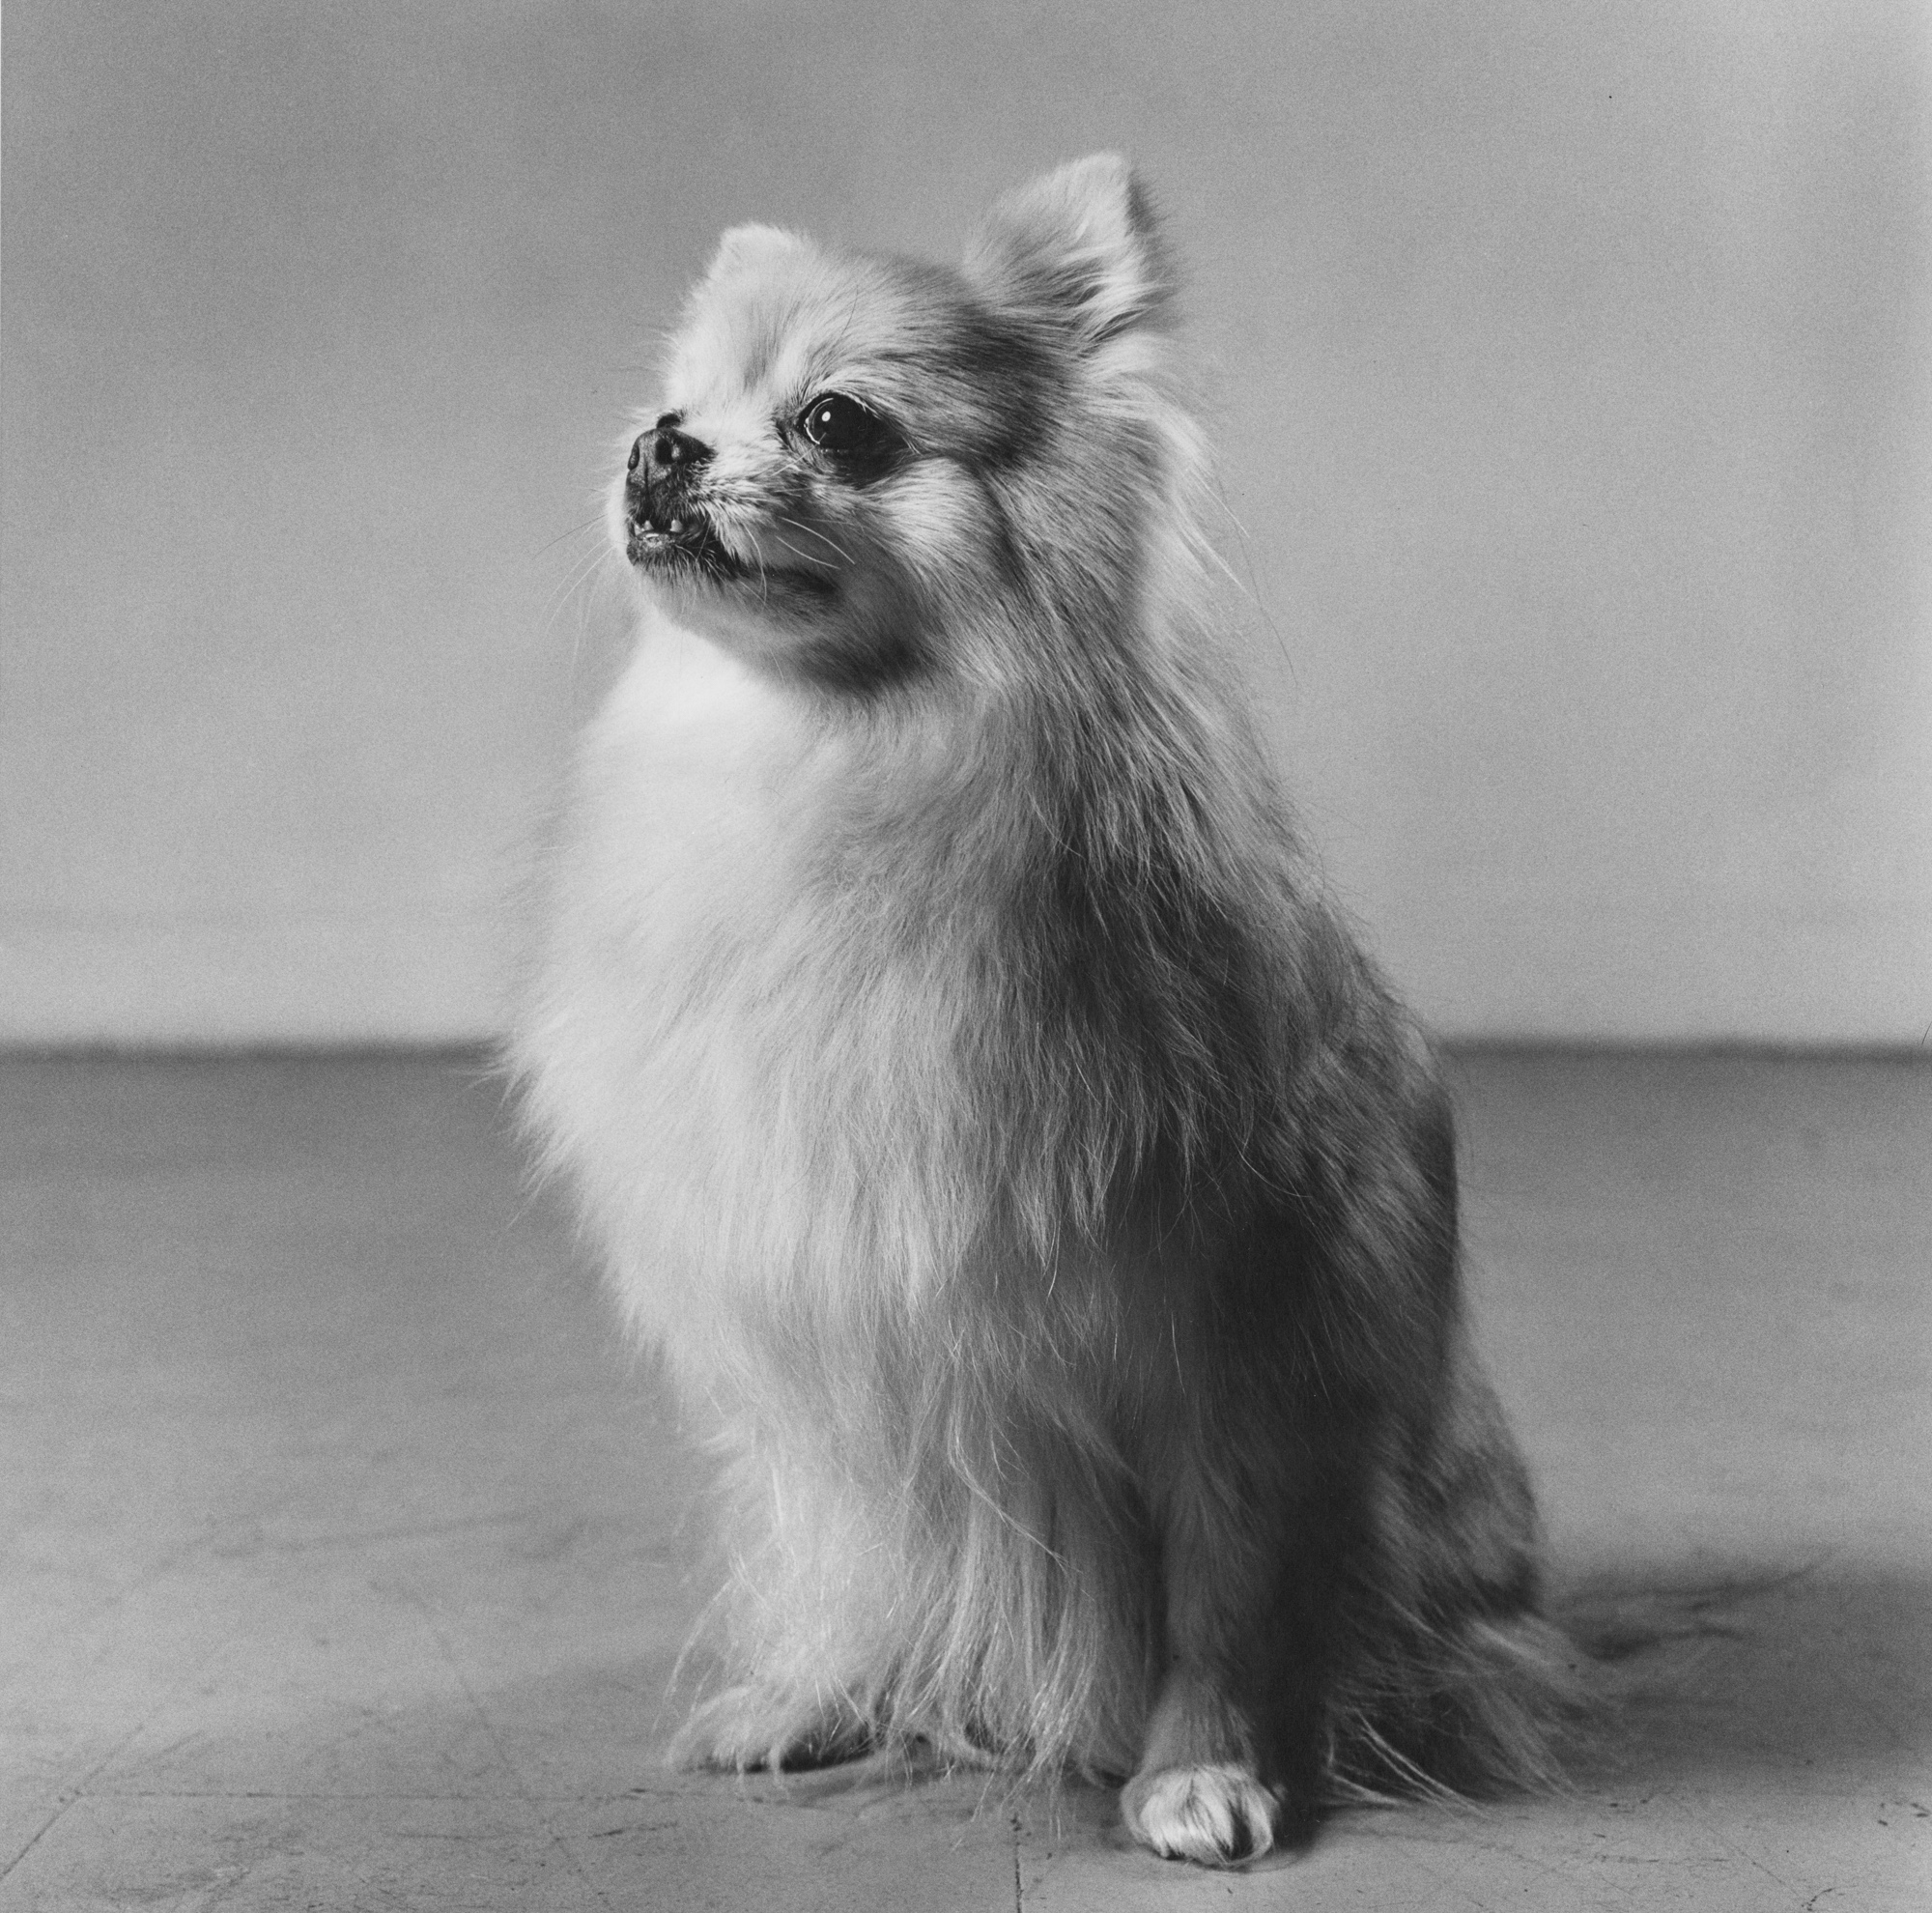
x=742 y=1041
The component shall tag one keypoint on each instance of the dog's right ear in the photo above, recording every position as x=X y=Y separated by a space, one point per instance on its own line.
x=745 y=248
x=1079 y=247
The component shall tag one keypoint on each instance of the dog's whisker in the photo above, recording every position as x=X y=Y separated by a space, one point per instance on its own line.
x=811 y=532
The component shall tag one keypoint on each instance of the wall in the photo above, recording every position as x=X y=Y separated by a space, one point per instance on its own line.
x=1573 y=387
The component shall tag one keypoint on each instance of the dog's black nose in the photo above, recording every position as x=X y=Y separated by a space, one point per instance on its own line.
x=664 y=449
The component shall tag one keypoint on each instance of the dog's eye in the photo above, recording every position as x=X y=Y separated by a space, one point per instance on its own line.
x=838 y=423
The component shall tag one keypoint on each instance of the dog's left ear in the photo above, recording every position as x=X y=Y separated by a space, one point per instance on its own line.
x=1078 y=246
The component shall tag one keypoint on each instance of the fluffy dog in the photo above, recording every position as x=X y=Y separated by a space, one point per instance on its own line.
x=978 y=1101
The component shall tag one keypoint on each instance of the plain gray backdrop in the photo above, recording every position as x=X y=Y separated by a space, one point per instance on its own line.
x=1570 y=370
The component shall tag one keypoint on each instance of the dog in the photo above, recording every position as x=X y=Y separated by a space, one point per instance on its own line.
x=1043 y=1200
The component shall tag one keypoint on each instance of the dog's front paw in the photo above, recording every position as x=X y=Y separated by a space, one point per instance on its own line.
x=1218 y=1816
x=751 y=1727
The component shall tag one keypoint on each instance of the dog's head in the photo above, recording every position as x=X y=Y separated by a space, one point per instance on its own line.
x=863 y=470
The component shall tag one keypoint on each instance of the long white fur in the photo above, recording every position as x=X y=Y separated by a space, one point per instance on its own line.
x=774 y=1039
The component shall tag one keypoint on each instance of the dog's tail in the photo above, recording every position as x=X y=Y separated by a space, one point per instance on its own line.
x=1513 y=1705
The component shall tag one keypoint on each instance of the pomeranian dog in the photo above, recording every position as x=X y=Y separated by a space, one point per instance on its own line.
x=1037 y=1190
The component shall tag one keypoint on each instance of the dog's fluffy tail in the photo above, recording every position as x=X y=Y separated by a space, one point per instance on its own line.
x=1490 y=1708
x=1513 y=1705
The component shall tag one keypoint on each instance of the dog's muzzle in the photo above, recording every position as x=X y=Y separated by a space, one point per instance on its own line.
x=663 y=518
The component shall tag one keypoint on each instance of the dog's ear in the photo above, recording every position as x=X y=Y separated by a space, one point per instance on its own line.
x=1079 y=246
x=745 y=248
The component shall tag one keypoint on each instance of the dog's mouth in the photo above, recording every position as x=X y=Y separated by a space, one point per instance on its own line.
x=677 y=541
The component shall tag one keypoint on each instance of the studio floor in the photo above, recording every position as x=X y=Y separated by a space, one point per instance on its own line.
x=347 y=1555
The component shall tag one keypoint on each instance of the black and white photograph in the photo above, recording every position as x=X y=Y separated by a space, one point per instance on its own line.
x=965 y=956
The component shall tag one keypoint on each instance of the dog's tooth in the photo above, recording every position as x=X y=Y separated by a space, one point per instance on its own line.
x=677 y=524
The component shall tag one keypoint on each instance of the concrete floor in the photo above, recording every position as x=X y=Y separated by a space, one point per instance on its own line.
x=346 y=1556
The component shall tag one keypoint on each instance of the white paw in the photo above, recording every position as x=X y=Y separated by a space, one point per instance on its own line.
x=1218 y=1815
x=746 y=1727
